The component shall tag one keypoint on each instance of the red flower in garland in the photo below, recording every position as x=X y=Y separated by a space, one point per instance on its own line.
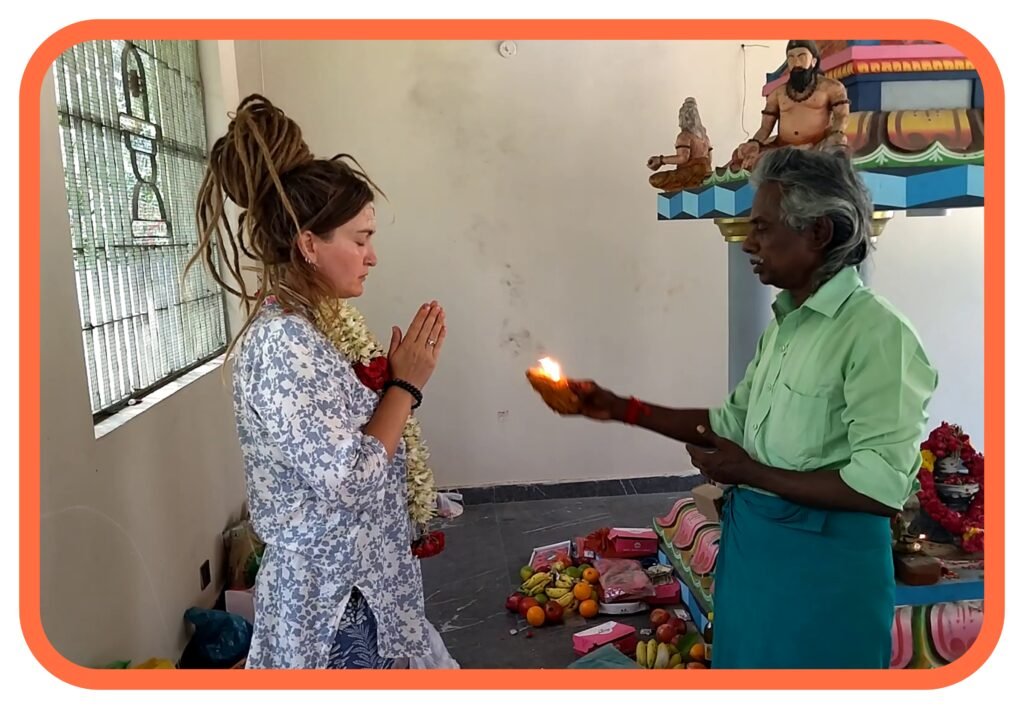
x=969 y=526
x=428 y=545
x=375 y=374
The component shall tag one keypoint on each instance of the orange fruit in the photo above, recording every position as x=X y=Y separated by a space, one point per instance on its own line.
x=582 y=591
x=697 y=651
x=588 y=609
x=591 y=575
x=536 y=616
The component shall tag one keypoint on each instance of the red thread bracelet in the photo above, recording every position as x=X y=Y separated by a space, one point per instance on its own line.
x=634 y=409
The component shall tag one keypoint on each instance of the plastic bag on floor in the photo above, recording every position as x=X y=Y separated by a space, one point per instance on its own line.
x=220 y=640
x=623 y=580
x=439 y=657
x=449 y=505
x=606 y=657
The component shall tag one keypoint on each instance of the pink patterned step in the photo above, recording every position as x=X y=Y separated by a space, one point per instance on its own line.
x=691 y=522
x=669 y=521
x=954 y=628
x=902 y=638
x=706 y=554
x=704 y=535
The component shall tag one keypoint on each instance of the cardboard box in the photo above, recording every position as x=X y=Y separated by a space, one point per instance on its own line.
x=622 y=636
x=240 y=603
x=709 y=499
x=632 y=542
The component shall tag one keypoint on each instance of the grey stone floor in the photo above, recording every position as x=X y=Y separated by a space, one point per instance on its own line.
x=467 y=584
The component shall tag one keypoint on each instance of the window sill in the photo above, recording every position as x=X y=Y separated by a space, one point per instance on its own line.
x=108 y=425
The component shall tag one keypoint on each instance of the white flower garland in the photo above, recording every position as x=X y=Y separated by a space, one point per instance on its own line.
x=346 y=328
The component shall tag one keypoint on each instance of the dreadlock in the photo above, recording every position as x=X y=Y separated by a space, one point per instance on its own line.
x=263 y=165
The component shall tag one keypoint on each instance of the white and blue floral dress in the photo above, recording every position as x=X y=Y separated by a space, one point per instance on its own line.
x=338 y=585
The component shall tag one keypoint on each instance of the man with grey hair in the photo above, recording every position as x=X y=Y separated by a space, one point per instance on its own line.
x=818 y=444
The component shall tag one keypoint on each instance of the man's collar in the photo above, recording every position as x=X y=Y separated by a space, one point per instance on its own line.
x=827 y=299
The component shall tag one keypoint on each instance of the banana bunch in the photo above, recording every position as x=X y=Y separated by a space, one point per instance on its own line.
x=652 y=655
x=562 y=591
x=565 y=581
x=536 y=583
x=563 y=596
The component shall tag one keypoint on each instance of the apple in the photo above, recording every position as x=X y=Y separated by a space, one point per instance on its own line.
x=665 y=633
x=512 y=602
x=659 y=616
x=679 y=624
x=554 y=611
x=525 y=604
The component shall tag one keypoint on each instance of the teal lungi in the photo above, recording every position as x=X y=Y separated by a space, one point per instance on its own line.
x=799 y=587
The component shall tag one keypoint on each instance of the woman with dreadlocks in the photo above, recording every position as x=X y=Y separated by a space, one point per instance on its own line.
x=323 y=455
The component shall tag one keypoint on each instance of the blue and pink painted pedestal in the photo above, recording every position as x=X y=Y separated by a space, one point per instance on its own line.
x=933 y=625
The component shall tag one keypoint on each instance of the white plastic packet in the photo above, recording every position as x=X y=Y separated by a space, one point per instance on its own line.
x=449 y=504
x=439 y=657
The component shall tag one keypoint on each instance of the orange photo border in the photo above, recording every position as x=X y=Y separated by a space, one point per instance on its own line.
x=30 y=206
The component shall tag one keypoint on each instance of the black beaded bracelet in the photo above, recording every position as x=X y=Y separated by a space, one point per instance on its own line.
x=411 y=388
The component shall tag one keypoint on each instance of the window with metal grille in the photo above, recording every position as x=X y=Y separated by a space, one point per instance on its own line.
x=133 y=139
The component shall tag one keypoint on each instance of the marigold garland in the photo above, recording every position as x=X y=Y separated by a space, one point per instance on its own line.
x=948 y=441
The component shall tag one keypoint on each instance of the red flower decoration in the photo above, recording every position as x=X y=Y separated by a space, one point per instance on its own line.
x=429 y=545
x=375 y=374
x=598 y=542
x=969 y=526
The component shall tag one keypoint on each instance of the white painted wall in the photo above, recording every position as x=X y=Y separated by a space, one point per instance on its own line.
x=127 y=519
x=519 y=198
x=932 y=269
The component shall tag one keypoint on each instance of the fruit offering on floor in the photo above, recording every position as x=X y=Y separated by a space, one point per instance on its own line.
x=672 y=647
x=562 y=590
x=654 y=655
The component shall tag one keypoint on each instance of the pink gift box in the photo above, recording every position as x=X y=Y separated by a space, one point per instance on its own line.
x=665 y=594
x=622 y=636
x=631 y=542
x=543 y=557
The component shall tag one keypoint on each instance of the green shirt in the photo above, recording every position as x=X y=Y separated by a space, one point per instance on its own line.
x=840 y=383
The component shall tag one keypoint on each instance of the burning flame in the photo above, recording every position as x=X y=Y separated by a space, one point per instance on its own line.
x=551 y=369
